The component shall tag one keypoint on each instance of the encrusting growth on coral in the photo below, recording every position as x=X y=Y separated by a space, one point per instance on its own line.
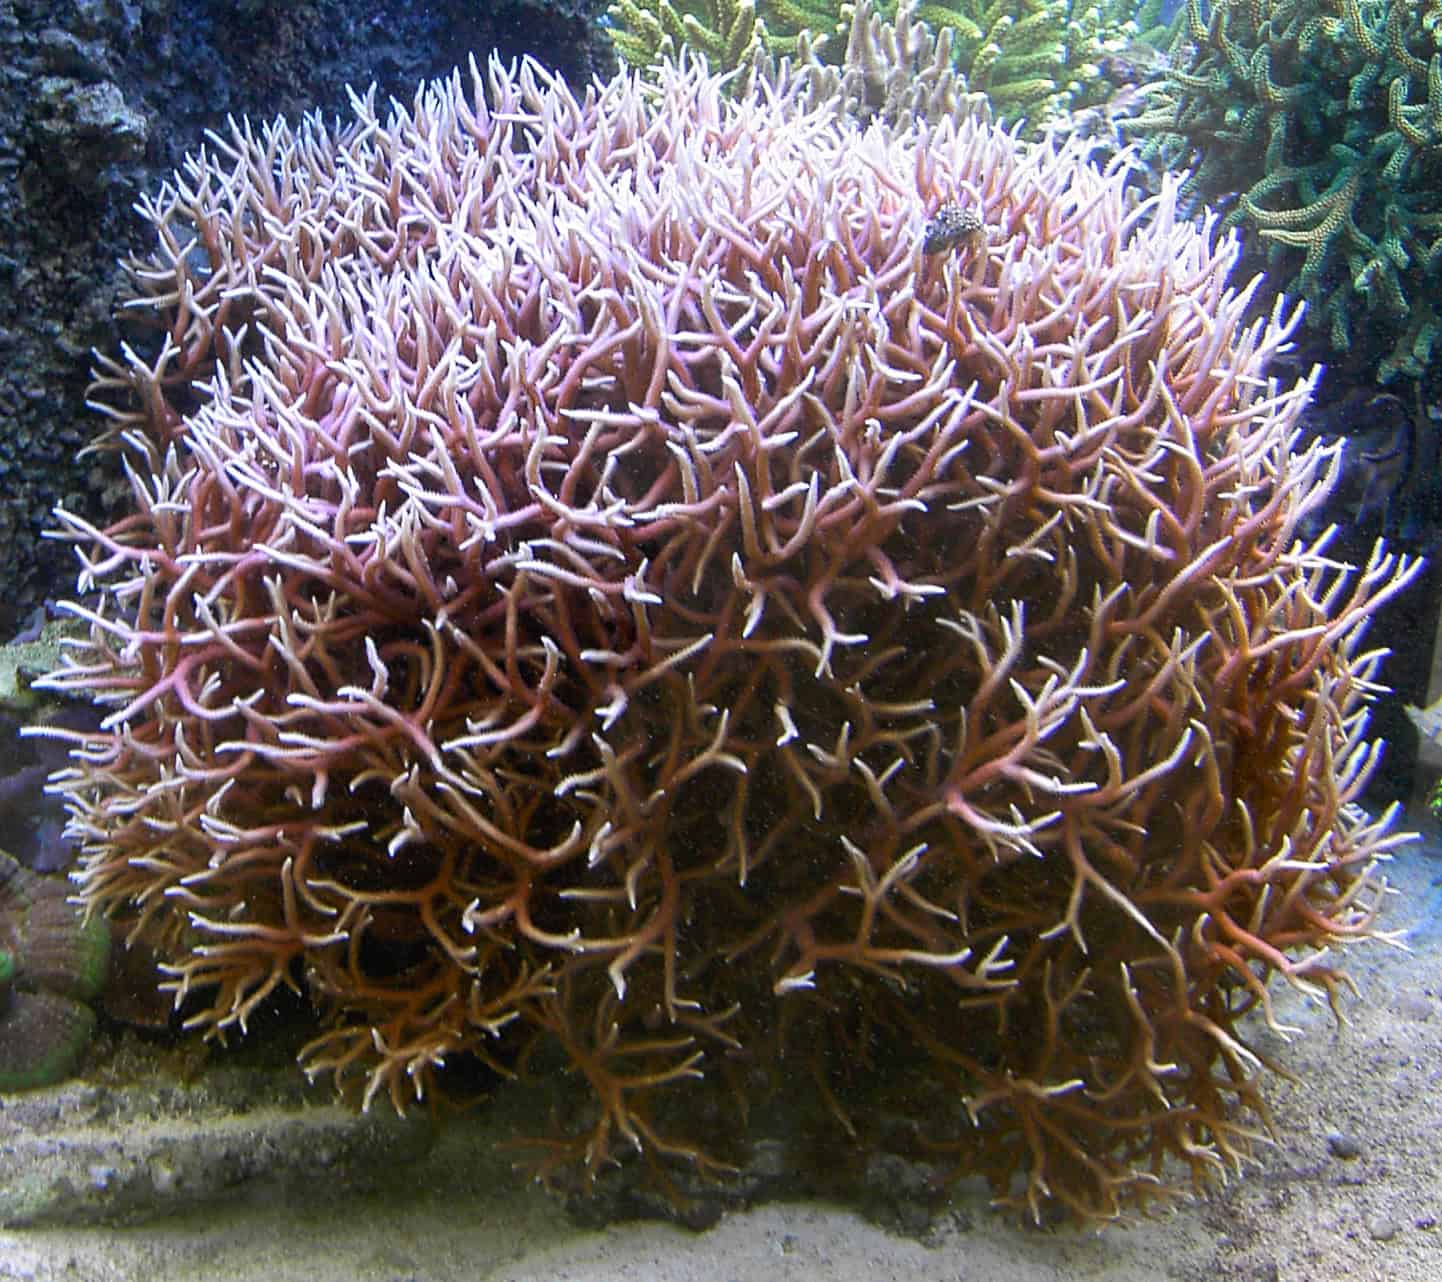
x=600 y=593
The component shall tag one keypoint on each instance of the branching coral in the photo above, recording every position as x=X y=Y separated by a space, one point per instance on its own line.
x=647 y=32
x=1032 y=58
x=1018 y=54
x=601 y=595
x=896 y=73
x=1152 y=20
x=1327 y=119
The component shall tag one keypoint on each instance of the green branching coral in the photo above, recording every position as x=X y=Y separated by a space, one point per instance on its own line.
x=732 y=34
x=785 y=20
x=647 y=32
x=1150 y=19
x=1015 y=52
x=1034 y=59
x=1322 y=120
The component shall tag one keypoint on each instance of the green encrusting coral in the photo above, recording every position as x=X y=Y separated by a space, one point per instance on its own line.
x=53 y=960
x=1324 y=119
x=1034 y=59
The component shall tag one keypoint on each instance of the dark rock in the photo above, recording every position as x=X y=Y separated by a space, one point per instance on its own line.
x=66 y=54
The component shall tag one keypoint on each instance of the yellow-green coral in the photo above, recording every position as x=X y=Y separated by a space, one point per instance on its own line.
x=895 y=73
x=725 y=31
x=1151 y=21
x=785 y=20
x=1034 y=59
x=1321 y=120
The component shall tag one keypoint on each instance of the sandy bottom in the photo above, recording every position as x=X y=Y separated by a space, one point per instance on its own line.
x=1353 y=1190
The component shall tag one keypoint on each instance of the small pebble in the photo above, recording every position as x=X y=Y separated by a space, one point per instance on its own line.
x=1343 y=1146
x=1383 y=1228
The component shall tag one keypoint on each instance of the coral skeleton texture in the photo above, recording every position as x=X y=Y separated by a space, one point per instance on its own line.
x=599 y=595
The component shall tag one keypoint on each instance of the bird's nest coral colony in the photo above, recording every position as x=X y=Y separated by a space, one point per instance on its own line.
x=614 y=583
